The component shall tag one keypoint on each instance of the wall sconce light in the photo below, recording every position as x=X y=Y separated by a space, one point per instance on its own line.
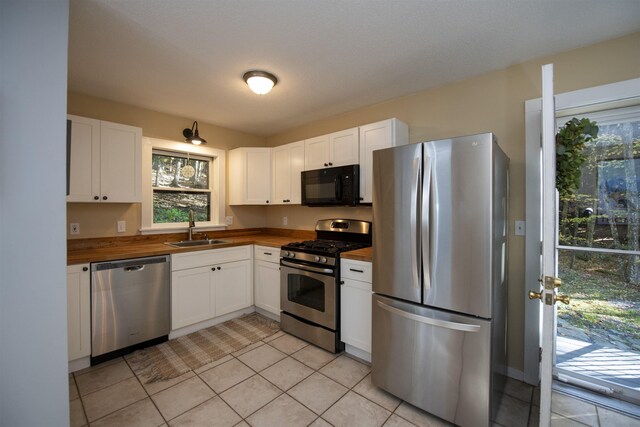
x=260 y=82
x=192 y=135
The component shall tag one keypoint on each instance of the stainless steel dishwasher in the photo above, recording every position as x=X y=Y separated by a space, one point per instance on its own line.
x=130 y=305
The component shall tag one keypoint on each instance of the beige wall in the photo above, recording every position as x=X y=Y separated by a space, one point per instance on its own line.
x=99 y=220
x=490 y=102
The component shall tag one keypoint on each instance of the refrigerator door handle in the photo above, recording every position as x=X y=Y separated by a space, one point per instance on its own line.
x=415 y=214
x=430 y=321
x=426 y=236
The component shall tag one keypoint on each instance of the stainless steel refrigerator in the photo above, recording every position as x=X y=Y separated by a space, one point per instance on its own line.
x=440 y=276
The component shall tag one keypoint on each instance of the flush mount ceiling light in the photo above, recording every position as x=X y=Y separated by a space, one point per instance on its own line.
x=192 y=135
x=260 y=82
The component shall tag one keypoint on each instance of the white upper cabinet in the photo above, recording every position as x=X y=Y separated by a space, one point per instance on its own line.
x=335 y=149
x=250 y=176
x=375 y=136
x=105 y=162
x=288 y=163
x=344 y=148
x=316 y=153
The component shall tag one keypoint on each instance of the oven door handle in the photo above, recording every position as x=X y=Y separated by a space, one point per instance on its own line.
x=307 y=267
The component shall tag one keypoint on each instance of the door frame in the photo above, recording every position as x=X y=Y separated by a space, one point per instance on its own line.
x=612 y=95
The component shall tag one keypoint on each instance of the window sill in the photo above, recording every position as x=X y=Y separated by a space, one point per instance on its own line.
x=180 y=228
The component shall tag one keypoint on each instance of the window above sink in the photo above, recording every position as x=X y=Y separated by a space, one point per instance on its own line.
x=178 y=177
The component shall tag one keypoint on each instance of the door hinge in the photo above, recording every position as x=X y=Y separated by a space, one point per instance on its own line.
x=540 y=248
x=539 y=354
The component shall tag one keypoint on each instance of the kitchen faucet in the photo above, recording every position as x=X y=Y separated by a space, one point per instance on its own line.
x=192 y=224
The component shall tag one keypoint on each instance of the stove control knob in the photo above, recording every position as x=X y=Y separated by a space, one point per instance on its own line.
x=292 y=254
x=323 y=260
x=285 y=253
x=316 y=258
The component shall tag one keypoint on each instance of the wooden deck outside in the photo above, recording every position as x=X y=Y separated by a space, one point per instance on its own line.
x=605 y=363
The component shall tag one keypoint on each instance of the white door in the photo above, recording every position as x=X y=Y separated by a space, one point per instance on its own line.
x=549 y=269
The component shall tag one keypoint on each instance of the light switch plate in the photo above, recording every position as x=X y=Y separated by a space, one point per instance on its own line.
x=122 y=226
x=285 y=220
x=520 y=225
x=228 y=220
x=74 y=228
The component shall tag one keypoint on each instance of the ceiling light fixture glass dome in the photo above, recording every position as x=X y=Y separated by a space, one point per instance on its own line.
x=260 y=82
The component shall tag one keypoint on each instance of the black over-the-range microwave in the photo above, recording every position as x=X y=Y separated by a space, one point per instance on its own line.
x=337 y=186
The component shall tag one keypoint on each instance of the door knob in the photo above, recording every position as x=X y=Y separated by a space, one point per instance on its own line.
x=563 y=299
x=535 y=295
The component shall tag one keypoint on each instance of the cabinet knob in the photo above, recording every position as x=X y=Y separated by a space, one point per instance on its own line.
x=284 y=201
x=85 y=268
x=342 y=282
x=96 y=198
x=326 y=164
x=267 y=201
x=330 y=164
x=219 y=268
x=213 y=269
x=104 y=197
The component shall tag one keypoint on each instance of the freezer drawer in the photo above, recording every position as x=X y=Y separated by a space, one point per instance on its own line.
x=435 y=360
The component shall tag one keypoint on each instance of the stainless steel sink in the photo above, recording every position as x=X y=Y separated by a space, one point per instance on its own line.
x=196 y=243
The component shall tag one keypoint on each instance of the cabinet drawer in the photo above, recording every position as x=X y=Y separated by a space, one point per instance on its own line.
x=266 y=253
x=356 y=270
x=213 y=256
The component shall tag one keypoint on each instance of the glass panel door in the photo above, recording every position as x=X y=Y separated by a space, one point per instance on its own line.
x=598 y=334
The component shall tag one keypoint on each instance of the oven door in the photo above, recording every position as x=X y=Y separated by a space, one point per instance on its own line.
x=309 y=292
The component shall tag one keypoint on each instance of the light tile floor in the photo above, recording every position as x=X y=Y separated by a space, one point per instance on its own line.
x=283 y=381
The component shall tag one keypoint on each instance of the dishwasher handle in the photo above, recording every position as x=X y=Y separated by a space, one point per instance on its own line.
x=134 y=264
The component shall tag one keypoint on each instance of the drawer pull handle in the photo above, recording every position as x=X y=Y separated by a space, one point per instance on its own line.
x=356 y=271
x=267 y=253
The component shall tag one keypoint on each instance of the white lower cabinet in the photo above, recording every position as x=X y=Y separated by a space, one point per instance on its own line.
x=207 y=284
x=355 y=307
x=233 y=282
x=78 y=311
x=267 y=278
x=192 y=296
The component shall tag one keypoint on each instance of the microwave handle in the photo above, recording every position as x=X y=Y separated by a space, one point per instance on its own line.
x=338 y=185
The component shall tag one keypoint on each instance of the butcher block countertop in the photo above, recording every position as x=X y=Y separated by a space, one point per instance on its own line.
x=81 y=251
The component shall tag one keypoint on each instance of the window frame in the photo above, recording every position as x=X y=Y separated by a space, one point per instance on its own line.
x=217 y=186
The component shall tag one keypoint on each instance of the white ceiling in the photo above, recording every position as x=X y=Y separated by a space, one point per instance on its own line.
x=187 y=57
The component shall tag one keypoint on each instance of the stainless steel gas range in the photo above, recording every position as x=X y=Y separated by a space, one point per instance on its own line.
x=310 y=281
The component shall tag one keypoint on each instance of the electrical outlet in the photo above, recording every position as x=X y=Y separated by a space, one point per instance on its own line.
x=520 y=225
x=228 y=220
x=284 y=220
x=74 y=228
x=122 y=226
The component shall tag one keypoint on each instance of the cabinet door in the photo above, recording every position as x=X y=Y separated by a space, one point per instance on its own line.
x=84 y=166
x=287 y=164
x=355 y=312
x=192 y=296
x=316 y=153
x=250 y=176
x=120 y=163
x=258 y=176
x=344 y=148
x=233 y=286
x=267 y=286
x=78 y=311
x=374 y=136
x=281 y=185
x=295 y=169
